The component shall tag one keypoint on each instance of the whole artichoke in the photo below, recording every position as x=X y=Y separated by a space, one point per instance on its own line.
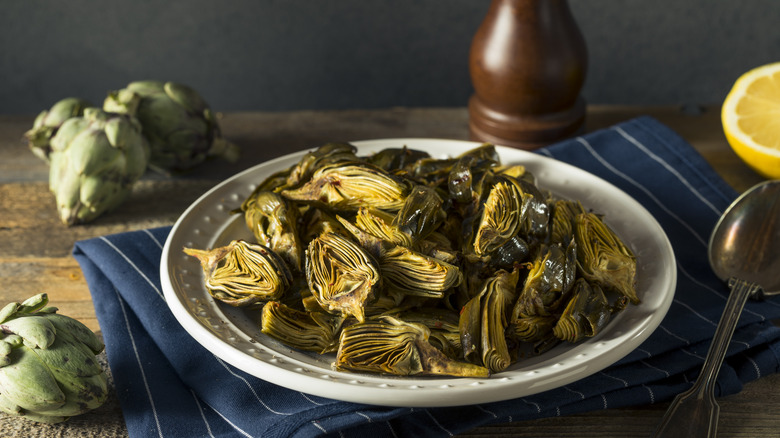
x=95 y=160
x=49 y=121
x=48 y=370
x=179 y=125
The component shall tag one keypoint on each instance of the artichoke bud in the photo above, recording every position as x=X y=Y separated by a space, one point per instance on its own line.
x=603 y=258
x=48 y=370
x=242 y=273
x=311 y=331
x=349 y=186
x=414 y=273
x=274 y=222
x=49 y=122
x=397 y=347
x=180 y=127
x=342 y=276
x=95 y=161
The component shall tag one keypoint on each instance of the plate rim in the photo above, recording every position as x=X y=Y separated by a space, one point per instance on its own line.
x=390 y=390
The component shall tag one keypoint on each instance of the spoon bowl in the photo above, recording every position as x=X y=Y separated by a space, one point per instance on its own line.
x=745 y=243
x=744 y=249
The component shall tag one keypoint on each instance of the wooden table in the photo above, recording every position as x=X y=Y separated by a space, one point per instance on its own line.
x=35 y=247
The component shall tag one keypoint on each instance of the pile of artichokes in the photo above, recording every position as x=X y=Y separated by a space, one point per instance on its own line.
x=48 y=369
x=97 y=154
x=405 y=264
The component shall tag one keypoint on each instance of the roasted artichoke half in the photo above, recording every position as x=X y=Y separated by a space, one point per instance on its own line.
x=243 y=273
x=342 y=276
x=274 y=222
x=351 y=185
x=396 y=347
x=604 y=258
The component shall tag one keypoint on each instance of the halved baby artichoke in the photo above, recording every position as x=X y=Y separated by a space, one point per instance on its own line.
x=351 y=185
x=342 y=276
x=243 y=273
x=604 y=258
x=393 y=346
x=311 y=331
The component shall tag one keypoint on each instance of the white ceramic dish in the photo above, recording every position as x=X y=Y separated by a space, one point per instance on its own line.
x=234 y=336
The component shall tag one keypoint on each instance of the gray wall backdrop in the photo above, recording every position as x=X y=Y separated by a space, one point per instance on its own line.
x=313 y=54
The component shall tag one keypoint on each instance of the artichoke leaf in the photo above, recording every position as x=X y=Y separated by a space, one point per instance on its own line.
x=28 y=382
x=81 y=395
x=77 y=330
x=36 y=331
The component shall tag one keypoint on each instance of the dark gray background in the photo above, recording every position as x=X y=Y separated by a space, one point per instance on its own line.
x=315 y=54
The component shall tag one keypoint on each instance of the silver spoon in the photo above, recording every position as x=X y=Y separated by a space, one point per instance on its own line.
x=744 y=249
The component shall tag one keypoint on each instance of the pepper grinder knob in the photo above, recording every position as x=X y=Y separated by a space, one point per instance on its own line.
x=528 y=62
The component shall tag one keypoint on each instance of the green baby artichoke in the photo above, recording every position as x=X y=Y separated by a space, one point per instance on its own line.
x=49 y=121
x=95 y=160
x=179 y=125
x=48 y=370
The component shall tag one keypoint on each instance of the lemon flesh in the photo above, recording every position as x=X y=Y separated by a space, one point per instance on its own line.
x=751 y=119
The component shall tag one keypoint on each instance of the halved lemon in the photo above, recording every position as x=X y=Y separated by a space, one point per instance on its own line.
x=751 y=119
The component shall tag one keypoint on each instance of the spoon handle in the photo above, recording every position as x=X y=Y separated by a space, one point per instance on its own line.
x=694 y=413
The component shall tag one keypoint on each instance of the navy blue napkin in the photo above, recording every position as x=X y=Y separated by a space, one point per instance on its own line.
x=168 y=385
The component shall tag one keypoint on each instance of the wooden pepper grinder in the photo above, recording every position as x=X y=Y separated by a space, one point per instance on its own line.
x=528 y=62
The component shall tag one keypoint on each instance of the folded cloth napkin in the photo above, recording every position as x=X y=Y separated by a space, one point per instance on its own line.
x=168 y=385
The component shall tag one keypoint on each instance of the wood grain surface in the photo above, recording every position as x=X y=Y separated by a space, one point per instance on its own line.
x=35 y=247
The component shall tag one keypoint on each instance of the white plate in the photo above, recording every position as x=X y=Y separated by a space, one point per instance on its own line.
x=234 y=335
